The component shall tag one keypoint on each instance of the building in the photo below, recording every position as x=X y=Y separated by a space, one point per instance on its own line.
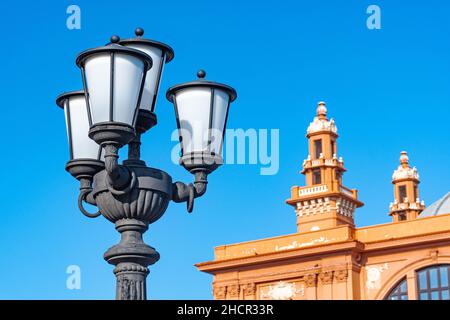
x=330 y=258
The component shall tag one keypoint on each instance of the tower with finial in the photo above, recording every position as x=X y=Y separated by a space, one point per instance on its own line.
x=324 y=202
x=406 y=205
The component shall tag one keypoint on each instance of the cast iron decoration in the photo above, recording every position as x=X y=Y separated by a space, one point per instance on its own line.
x=121 y=82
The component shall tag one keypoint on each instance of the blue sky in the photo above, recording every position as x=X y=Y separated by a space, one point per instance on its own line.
x=387 y=89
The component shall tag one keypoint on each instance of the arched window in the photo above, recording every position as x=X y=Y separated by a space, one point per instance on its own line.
x=400 y=291
x=433 y=284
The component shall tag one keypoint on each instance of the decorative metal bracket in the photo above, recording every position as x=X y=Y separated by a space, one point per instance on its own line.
x=187 y=193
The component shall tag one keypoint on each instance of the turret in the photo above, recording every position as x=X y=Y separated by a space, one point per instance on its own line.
x=324 y=202
x=406 y=205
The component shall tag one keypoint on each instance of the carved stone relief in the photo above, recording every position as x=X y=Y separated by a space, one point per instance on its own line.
x=282 y=291
x=374 y=276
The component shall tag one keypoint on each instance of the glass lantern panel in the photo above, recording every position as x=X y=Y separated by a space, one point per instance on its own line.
x=98 y=71
x=128 y=72
x=153 y=77
x=66 y=114
x=82 y=146
x=193 y=105
x=219 y=115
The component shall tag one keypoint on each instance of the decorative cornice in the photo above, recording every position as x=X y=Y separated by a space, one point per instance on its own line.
x=286 y=255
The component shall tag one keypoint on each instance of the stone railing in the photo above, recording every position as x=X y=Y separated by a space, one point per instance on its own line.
x=312 y=190
x=321 y=161
x=418 y=205
x=346 y=191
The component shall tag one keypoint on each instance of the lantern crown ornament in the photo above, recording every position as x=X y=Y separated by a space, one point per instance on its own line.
x=117 y=105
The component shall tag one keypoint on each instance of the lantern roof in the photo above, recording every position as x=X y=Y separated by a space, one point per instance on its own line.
x=63 y=96
x=201 y=82
x=139 y=40
x=113 y=46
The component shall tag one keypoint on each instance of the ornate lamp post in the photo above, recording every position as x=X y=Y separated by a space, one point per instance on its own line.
x=121 y=82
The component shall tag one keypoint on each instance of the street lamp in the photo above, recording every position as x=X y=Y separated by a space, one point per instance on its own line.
x=121 y=82
x=201 y=109
x=86 y=156
x=160 y=53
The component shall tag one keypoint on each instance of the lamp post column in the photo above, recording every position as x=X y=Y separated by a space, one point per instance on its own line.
x=131 y=258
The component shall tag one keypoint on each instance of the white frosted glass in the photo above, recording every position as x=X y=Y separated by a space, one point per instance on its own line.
x=97 y=69
x=152 y=78
x=82 y=146
x=66 y=103
x=218 y=125
x=128 y=71
x=193 y=106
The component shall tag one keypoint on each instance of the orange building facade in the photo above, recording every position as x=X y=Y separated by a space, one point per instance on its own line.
x=329 y=257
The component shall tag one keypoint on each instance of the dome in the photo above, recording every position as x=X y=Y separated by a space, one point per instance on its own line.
x=404 y=171
x=442 y=206
x=321 y=123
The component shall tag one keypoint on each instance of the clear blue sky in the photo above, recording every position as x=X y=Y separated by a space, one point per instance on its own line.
x=387 y=89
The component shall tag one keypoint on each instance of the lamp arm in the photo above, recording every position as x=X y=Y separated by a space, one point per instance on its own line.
x=86 y=196
x=187 y=193
x=118 y=177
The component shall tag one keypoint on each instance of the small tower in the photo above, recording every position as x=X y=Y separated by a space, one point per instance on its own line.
x=407 y=205
x=324 y=202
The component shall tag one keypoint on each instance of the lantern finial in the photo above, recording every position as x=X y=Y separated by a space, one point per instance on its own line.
x=115 y=39
x=201 y=74
x=139 y=32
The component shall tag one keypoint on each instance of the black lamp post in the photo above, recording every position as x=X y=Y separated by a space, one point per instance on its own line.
x=121 y=82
